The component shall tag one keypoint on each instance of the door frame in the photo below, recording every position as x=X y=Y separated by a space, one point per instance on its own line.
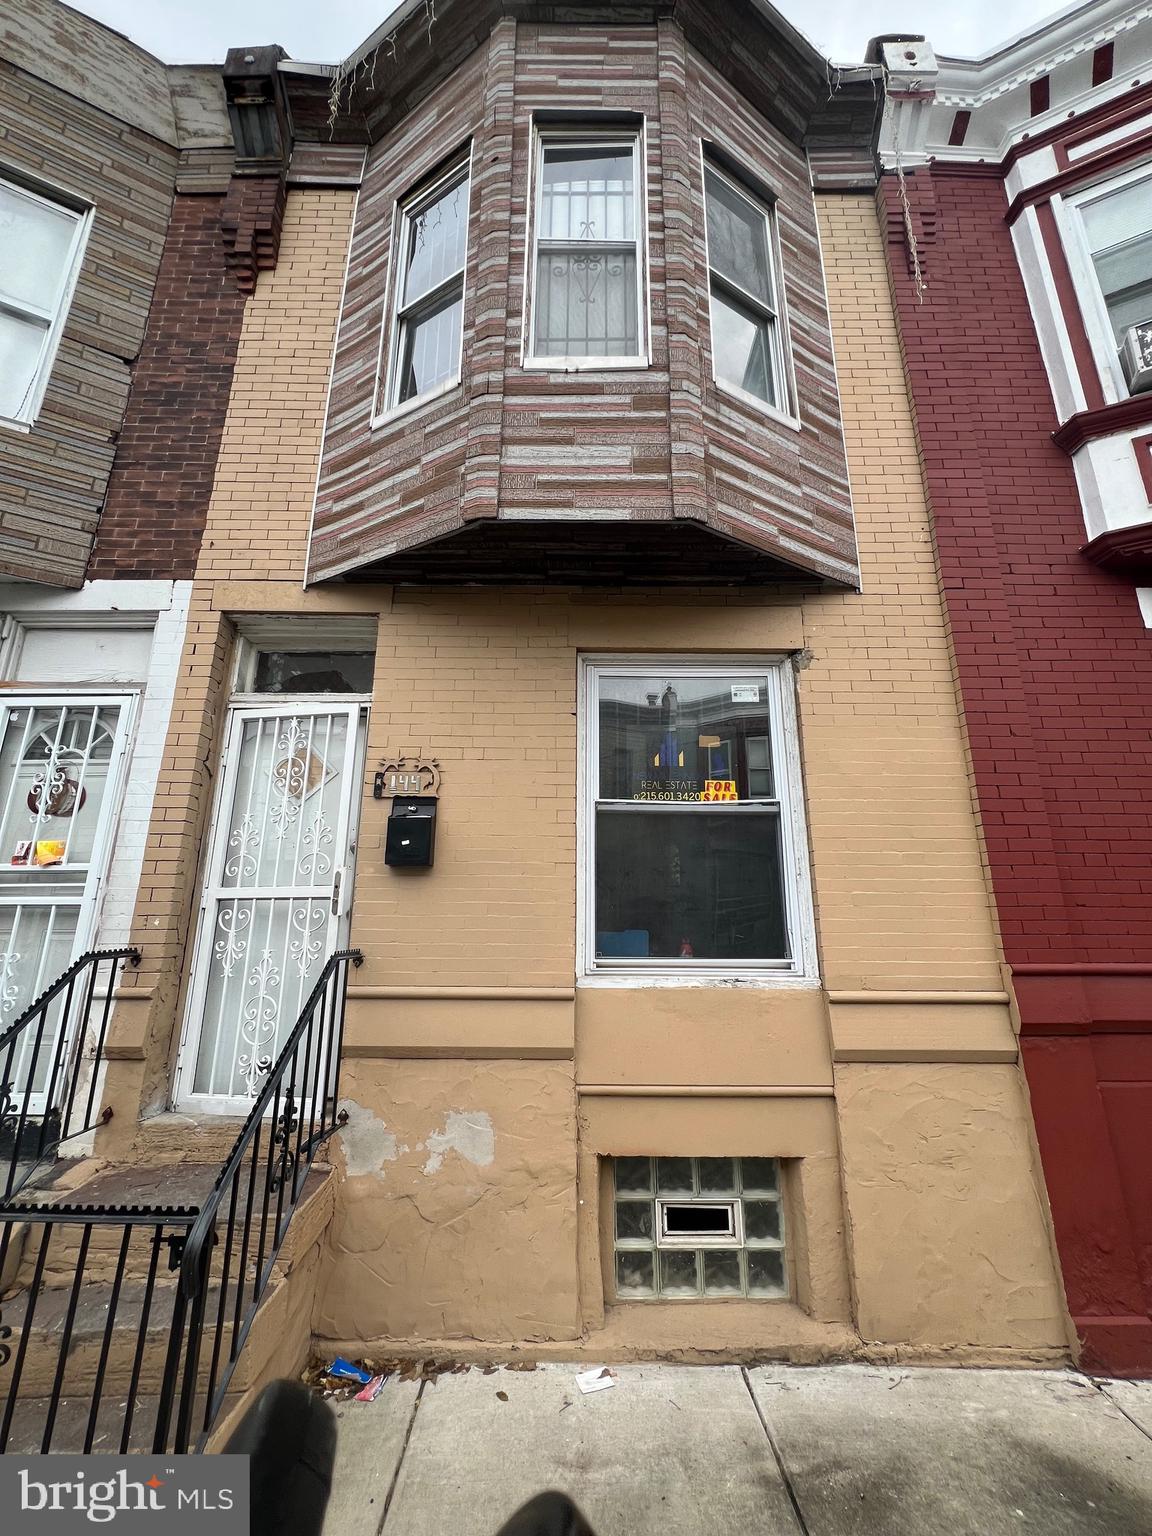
x=243 y=708
x=89 y=892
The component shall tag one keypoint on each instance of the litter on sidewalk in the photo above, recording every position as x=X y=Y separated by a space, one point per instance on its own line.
x=372 y=1391
x=596 y=1379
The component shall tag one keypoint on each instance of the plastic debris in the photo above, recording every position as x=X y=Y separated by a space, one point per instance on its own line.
x=344 y=1370
x=595 y=1380
x=372 y=1391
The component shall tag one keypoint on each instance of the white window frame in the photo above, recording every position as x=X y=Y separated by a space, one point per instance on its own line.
x=1078 y=250
x=57 y=314
x=405 y=209
x=572 y=136
x=780 y=350
x=801 y=968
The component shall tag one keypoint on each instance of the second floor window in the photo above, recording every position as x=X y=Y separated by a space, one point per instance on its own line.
x=432 y=241
x=41 y=243
x=587 y=300
x=747 y=345
x=1117 y=225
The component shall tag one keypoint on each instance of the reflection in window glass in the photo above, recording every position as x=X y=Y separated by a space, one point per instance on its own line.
x=313 y=672
x=430 y=288
x=1119 y=228
x=37 y=254
x=745 y=340
x=689 y=854
x=586 y=302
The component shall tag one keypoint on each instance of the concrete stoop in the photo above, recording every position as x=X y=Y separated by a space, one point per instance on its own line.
x=277 y=1343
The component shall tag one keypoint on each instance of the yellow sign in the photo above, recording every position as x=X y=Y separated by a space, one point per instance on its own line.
x=719 y=789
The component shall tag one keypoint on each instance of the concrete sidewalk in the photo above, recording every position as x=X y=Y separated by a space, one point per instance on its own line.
x=777 y=1451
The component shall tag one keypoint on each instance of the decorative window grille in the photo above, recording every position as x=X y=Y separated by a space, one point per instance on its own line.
x=41 y=245
x=587 y=303
x=698 y=1227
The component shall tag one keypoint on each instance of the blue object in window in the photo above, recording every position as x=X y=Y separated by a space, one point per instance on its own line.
x=625 y=945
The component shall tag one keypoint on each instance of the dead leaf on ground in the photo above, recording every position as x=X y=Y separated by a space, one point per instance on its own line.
x=503 y=1396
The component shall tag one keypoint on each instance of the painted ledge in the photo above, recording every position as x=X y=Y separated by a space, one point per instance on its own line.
x=899 y=1026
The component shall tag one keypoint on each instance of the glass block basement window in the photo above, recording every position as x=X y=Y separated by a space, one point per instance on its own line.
x=698 y=1227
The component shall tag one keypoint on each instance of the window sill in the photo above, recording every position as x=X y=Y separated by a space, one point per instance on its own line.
x=410 y=407
x=753 y=980
x=585 y=364
x=761 y=407
x=1135 y=411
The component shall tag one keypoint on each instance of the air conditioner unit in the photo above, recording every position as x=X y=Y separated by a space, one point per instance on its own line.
x=1136 y=356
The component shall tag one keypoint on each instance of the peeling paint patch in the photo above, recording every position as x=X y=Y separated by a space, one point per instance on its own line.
x=468 y=1132
x=368 y=1143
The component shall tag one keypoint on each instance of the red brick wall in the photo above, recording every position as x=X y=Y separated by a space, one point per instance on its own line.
x=166 y=457
x=1055 y=670
x=1054 y=661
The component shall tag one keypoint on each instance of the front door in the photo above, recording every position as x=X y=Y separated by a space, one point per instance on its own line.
x=61 y=764
x=278 y=876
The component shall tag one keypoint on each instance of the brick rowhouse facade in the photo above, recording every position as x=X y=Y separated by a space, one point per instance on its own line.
x=1052 y=652
x=489 y=549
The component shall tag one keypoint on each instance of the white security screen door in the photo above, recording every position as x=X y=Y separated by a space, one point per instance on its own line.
x=278 y=871
x=61 y=759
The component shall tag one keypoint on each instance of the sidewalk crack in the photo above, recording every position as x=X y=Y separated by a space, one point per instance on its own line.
x=797 y=1512
x=1102 y=1388
x=400 y=1459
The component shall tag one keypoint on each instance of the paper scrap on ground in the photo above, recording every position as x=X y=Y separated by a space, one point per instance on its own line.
x=372 y=1391
x=596 y=1379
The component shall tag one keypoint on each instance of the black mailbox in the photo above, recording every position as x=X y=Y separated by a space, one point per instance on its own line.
x=411 y=839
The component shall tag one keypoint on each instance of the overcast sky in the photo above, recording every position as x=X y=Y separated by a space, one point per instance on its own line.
x=323 y=31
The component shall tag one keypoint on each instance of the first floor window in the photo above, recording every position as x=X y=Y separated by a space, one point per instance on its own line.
x=40 y=249
x=432 y=249
x=1118 y=225
x=691 y=844
x=588 y=277
x=747 y=346
x=688 y=1227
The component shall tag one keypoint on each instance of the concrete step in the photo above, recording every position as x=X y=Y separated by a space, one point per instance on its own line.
x=135 y=1187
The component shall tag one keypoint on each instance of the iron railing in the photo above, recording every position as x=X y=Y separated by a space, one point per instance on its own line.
x=43 y=1102
x=134 y=1321
x=259 y=1187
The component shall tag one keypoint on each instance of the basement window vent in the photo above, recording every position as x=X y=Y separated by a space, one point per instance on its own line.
x=698 y=1227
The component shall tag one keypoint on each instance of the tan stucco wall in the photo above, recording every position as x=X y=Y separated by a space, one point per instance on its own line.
x=466 y=1004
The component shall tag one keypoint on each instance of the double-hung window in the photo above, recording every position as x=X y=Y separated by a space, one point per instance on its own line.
x=427 y=331
x=41 y=244
x=1116 y=221
x=691 y=830
x=747 y=339
x=588 y=292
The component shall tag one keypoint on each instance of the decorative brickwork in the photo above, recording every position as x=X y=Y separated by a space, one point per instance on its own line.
x=250 y=222
x=1055 y=668
x=158 y=495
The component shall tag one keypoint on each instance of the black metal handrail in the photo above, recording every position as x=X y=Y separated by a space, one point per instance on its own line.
x=50 y=1035
x=117 y=1305
x=294 y=1113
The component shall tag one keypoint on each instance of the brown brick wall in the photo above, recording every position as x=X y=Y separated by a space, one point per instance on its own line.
x=166 y=458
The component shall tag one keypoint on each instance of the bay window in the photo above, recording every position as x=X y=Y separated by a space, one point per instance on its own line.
x=428 y=321
x=1118 y=226
x=747 y=340
x=692 y=844
x=588 y=278
x=41 y=244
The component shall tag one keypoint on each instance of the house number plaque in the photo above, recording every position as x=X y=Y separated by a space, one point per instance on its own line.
x=406 y=776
